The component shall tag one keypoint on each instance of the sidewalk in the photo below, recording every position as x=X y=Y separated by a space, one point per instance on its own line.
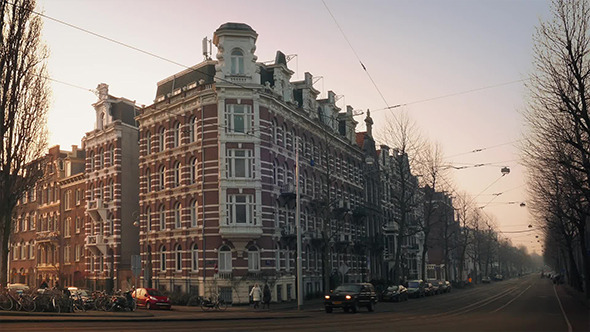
x=575 y=307
x=184 y=313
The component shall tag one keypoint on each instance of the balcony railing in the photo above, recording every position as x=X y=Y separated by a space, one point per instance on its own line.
x=224 y=275
x=47 y=236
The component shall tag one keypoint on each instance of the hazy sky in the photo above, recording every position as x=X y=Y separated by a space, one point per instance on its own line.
x=413 y=50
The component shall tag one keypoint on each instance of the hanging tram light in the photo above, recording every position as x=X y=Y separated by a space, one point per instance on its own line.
x=505 y=170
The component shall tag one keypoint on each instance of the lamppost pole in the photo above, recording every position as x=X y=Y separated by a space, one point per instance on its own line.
x=298 y=223
x=203 y=198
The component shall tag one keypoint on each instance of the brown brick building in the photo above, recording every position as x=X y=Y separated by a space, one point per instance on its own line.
x=40 y=233
x=217 y=161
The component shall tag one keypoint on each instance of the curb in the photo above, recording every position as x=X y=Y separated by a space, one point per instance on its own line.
x=150 y=319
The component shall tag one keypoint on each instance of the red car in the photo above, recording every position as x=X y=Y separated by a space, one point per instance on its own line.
x=151 y=298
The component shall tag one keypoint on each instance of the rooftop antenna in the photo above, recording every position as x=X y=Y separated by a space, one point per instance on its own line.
x=289 y=58
x=207 y=48
x=316 y=79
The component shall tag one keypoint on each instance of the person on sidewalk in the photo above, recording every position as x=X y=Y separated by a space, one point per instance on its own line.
x=256 y=294
x=44 y=285
x=266 y=297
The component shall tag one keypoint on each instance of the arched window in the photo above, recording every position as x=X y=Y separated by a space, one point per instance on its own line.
x=111 y=190
x=237 y=62
x=100 y=193
x=161 y=139
x=163 y=258
x=275 y=177
x=225 y=262
x=111 y=224
x=176 y=135
x=194 y=213
x=193 y=171
x=162 y=217
x=192 y=129
x=278 y=257
x=91 y=157
x=112 y=155
x=162 y=177
x=100 y=158
x=31 y=250
x=176 y=175
x=275 y=137
x=148 y=142
x=195 y=258
x=178 y=258
x=148 y=178
x=148 y=215
x=288 y=139
x=177 y=216
x=253 y=259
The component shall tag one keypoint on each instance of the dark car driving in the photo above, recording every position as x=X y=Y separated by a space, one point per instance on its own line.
x=351 y=297
x=396 y=293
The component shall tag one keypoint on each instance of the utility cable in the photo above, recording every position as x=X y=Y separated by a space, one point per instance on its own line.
x=482 y=149
x=123 y=44
x=451 y=95
x=357 y=56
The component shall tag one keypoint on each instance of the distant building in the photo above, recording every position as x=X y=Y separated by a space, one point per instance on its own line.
x=42 y=237
x=442 y=240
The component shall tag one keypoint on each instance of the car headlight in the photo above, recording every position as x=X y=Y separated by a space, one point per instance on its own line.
x=327 y=297
x=153 y=298
x=348 y=297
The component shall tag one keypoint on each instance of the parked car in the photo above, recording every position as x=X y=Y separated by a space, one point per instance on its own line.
x=396 y=293
x=429 y=289
x=416 y=288
x=151 y=298
x=498 y=277
x=449 y=286
x=486 y=280
x=350 y=297
x=440 y=285
x=18 y=288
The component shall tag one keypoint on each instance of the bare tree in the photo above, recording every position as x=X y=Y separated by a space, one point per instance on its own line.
x=24 y=101
x=432 y=170
x=558 y=119
x=467 y=216
x=403 y=136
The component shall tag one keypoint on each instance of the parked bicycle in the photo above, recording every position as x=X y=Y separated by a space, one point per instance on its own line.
x=16 y=301
x=213 y=303
x=48 y=300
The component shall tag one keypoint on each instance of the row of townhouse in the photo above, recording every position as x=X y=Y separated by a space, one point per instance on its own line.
x=196 y=192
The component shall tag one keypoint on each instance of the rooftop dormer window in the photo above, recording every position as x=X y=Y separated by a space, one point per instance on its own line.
x=237 y=62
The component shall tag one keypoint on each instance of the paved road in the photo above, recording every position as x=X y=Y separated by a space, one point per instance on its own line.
x=527 y=304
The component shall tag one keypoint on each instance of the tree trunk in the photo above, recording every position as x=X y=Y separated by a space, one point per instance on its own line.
x=4 y=245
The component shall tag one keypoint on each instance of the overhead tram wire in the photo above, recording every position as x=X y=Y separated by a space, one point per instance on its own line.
x=483 y=149
x=450 y=95
x=125 y=45
x=357 y=56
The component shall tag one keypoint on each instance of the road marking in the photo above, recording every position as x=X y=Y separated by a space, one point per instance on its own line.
x=517 y=296
x=569 y=326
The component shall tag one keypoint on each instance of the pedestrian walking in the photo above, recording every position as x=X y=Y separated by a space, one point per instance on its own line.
x=44 y=285
x=266 y=297
x=256 y=294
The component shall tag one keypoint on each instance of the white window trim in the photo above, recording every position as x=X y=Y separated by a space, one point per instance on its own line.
x=232 y=159
x=230 y=120
x=250 y=206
